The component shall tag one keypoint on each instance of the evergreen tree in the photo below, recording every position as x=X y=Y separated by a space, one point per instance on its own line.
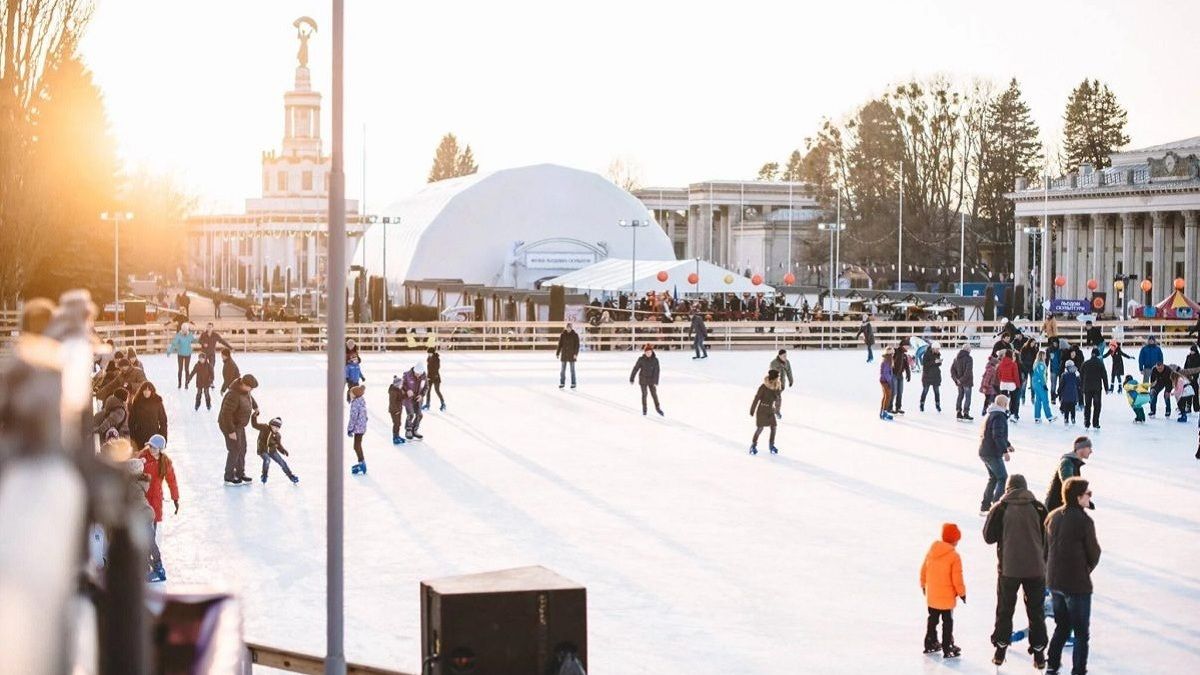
x=769 y=171
x=1093 y=125
x=795 y=167
x=450 y=162
x=1010 y=149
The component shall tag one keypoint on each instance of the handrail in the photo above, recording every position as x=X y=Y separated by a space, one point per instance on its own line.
x=298 y=662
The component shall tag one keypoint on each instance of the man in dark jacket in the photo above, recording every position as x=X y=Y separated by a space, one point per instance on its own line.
x=1069 y=466
x=962 y=372
x=1073 y=552
x=1093 y=378
x=931 y=375
x=867 y=331
x=229 y=370
x=901 y=373
x=994 y=450
x=646 y=369
x=699 y=332
x=1003 y=344
x=1017 y=525
x=147 y=416
x=209 y=340
x=781 y=364
x=568 y=349
x=1160 y=381
x=236 y=409
x=1149 y=355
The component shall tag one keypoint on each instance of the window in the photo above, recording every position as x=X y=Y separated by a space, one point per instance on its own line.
x=266 y=182
x=283 y=183
x=306 y=181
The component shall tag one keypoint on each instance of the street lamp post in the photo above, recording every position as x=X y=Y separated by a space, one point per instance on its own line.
x=117 y=217
x=833 y=229
x=387 y=220
x=633 y=225
x=1034 y=232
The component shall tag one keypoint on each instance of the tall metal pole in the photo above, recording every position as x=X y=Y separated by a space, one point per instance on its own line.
x=837 y=247
x=116 y=268
x=962 y=247
x=335 y=656
x=633 y=277
x=830 y=294
x=900 y=233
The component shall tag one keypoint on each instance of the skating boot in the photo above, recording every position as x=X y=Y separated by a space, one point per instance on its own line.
x=951 y=651
x=958 y=414
x=938 y=407
x=264 y=479
x=417 y=436
x=932 y=645
x=1039 y=658
x=294 y=478
x=1182 y=419
x=396 y=440
x=998 y=657
x=660 y=413
x=356 y=469
x=967 y=417
x=774 y=450
x=778 y=415
x=754 y=449
x=898 y=411
x=425 y=407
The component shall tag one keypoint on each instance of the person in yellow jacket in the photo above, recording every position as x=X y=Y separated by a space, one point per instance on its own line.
x=942 y=584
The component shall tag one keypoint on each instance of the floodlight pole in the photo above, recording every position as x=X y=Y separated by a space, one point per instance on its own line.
x=117 y=217
x=335 y=655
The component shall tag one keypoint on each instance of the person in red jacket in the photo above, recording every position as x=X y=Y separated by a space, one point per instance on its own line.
x=156 y=467
x=1009 y=374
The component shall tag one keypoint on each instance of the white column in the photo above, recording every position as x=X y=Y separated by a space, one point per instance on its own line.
x=1162 y=277
x=1044 y=259
x=1098 y=223
x=1071 y=256
x=1191 y=220
x=1021 y=252
x=1129 y=263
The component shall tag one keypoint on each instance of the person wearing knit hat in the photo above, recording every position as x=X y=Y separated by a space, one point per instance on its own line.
x=647 y=370
x=781 y=363
x=270 y=447
x=1016 y=524
x=942 y=583
x=396 y=408
x=762 y=409
x=157 y=467
x=994 y=451
x=413 y=384
x=1070 y=391
x=1069 y=465
x=433 y=365
x=357 y=426
x=1073 y=552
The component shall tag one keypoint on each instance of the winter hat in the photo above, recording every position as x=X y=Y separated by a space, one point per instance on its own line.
x=250 y=381
x=1016 y=482
x=1072 y=488
x=276 y=422
x=950 y=533
x=122 y=363
x=1070 y=365
x=157 y=442
x=419 y=369
x=1095 y=353
x=358 y=390
x=1001 y=401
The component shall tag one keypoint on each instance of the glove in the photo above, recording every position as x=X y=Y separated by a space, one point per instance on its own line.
x=631 y=382
x=349 y=434
x=176 y=507
x=963 y=598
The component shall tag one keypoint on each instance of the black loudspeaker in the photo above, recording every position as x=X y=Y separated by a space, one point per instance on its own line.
x=1102 y=296
x=501 y=623
x=558 y=303
x=135 y=312
x=479 y=315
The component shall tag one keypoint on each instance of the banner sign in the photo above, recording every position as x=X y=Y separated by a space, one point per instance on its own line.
x=558 y=261
x=1063 y=306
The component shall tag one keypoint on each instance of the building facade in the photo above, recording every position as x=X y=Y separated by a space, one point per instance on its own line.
x=1139 y=217
x=754 y=226
x=280 y=241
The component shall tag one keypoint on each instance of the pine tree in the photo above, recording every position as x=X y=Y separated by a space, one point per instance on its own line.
x=769 y=171
x=445 y=159
x=795 y=167
x=1010 y=150
x=1093 y=125
x=465 y=165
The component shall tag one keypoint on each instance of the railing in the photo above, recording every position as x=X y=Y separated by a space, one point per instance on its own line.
x=517 y=335
x=296 y=662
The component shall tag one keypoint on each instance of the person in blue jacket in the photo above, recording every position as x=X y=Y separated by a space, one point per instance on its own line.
x=1038 y=389
x=1068 y=393
x=1150 y=356
x=181 y=346
x=354 y=375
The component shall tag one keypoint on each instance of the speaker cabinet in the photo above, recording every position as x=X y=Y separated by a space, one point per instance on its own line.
x=557 y=303
x=501 y=623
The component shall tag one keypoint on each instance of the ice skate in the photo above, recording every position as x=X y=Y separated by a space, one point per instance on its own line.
x=932 y=646
x=264 y=479
x=660 y=412
x=442 y=408
x=417 y=436
x=425 y=407
x=754 y=449
x=998 y=657
x=294 y=478
x=1039 y=658
x=774 y=450
x=951 y=651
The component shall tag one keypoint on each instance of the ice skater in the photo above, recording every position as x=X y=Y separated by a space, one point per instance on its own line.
x=354 y=374
x=994 y=450
x=270 y=446
x=229 y=370
x=931 y=375
x=762 y=408
x=157 y=467
x=1016 y=524
x=989 y=384
x=1137 y=394
x=781 y=364
x=413 y=383
x=181 y=345
x=1185 y=394
x=886 y=378
x=1068 y=393
x=699 y=332
x=396 y=408
x=358 y=426
x=867 y=331
x=901 y=373
x=646 y=370
x=566 y=352
x=962 y=373
x=433 y=366
x=1038 y=389
x=202 y=372
x=942 y=584
x=1118 y=357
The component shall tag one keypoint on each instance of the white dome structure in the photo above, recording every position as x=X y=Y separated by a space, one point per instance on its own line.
x=513 y=227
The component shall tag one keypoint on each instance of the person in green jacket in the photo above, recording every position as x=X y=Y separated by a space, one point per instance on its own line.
x=781 y=364
x=181 y=345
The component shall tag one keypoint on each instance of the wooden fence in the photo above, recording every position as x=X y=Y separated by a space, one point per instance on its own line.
x=297 y=662
x=519 y=335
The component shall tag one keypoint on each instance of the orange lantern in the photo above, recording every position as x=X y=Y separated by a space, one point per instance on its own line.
x=756 y=279
x=663 y=276
x=1092 y=284
x=789 y=278
x=693 y=278
x=1146 y=285
x=1098 y=302
x=1179 y=284
x=1060 y=281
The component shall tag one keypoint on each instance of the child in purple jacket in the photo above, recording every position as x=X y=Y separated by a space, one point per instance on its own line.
x=885 y=382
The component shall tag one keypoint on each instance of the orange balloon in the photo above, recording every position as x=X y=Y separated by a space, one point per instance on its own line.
x=1179 y=284
x=1060 y=281
x=1146 y=285
x=789 y=278
x=693 y=278
x=756 y=279
x=1092 y=284
x=663 y=276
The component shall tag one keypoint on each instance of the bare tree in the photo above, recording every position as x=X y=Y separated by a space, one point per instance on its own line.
x=625 y=172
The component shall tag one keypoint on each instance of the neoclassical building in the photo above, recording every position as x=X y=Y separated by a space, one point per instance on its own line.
x=739 y=225
x=1138 y=217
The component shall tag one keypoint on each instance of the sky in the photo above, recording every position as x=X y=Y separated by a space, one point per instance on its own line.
x=685 y=91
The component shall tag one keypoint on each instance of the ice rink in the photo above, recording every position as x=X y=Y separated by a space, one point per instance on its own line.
x=697 y=557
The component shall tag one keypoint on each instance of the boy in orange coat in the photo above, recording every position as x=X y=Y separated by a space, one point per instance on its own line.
x=942 y=582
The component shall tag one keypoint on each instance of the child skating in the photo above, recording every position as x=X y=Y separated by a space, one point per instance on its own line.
x=358 y=426
x=270 y=446
x=354 y=375
x=157 y=467
x=396 y=408
x=762 y=408
x=433 y=365
x=203 y=373
x=1138 y=395
x=1068 y=393
x=942 y=584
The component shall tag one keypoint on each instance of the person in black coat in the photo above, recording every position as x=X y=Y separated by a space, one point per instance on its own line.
x=1118 y=356
x=1072 y=553
x=209 y=340
x=646 y=369
x=1160 y=381
x=994 y=451
x=762 y=409
x=567 y=350
x=901 y=373
x=202 y=372
x=229 y=371
x=931 y=375
x=1093 y=336
x=147 y=416
x=396 y=408
x=433 y=366
x=1093 y=378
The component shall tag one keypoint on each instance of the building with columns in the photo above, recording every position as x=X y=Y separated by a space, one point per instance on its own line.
x=281 y=238
x=754 y=226
x=1138 y=217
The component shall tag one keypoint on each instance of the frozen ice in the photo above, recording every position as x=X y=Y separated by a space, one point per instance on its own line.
x=697 y=557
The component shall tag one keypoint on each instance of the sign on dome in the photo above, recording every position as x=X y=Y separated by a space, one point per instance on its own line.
x=558 y=261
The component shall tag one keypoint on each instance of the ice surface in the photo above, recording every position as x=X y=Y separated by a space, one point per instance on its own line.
x=697 y=557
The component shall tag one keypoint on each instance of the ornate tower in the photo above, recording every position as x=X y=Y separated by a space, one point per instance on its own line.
x=300 y=170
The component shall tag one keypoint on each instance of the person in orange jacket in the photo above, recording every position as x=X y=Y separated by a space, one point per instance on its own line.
x=156 y=467
x=942 y=582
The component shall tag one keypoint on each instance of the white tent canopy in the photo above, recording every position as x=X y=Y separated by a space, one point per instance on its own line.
x=616 y=275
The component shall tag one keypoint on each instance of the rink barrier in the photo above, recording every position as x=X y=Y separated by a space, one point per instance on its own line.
x=297 y=662
x=247 y=336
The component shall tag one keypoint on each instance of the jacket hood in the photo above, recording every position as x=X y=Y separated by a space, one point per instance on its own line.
x=993 y=408
x=775 y=384
x=1018 y=496
x=941 y=549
